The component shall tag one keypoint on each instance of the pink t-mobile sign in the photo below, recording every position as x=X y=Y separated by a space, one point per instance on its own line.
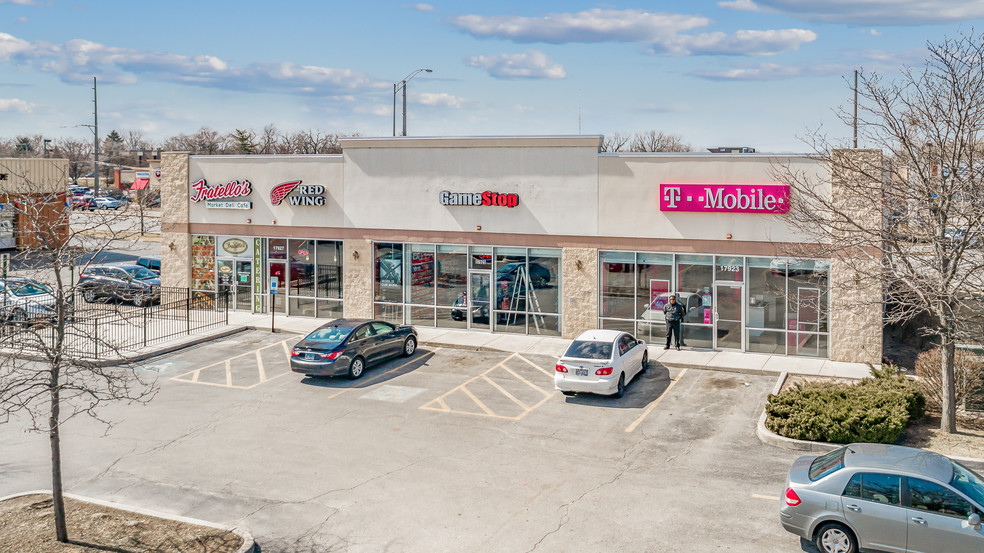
x=728 y=198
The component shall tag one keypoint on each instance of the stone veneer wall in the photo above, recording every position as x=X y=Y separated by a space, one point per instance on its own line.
x=579 y=285
x=855 y=303
x=175 y=239
x=357 y=279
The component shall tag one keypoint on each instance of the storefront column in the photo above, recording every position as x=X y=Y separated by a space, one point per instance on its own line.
x=855 y=299
x=579 y=309
x=357 y=279
x=175 y=236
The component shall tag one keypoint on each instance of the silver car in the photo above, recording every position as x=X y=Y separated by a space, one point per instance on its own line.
x=884 y=498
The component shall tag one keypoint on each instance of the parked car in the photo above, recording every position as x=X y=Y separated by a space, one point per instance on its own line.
x=24 y=300
x=131 y=283
x=152 y=262
x=348 y=346
x=885 y=498
x=105 y=202
x=600 y=362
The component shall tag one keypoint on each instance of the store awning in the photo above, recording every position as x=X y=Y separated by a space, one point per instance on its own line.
x=140 y=184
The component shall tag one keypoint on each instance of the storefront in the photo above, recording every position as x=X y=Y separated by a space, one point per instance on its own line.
x=529 y=235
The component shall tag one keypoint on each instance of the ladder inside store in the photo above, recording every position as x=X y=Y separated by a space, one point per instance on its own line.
x=521 y=283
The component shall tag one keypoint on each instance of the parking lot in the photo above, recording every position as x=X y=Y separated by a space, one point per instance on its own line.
x=446 y=450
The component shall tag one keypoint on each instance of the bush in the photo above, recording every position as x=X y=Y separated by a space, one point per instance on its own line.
x=876 y=409
x=968 y=372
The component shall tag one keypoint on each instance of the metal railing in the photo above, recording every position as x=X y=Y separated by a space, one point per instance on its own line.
x=109 y=327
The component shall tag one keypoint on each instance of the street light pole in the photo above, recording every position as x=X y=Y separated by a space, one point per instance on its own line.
x=95 y=133
x=402 y=85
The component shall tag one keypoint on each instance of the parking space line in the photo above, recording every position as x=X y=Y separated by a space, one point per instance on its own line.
x=439 y=404
x=226 y=366
x=259 y=364
x=652 y=404
x=767 y=497
x=228 y=369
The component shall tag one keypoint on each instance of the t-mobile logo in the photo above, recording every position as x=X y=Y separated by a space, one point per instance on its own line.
x=671 y=195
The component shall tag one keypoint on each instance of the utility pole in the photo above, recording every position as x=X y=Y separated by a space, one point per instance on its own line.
x=855 y=109
x=95 y=132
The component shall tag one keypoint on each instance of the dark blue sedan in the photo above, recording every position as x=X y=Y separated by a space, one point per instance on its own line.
x=348 y=346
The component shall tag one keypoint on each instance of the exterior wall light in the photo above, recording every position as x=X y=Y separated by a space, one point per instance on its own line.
x=728 y=236
x=478 y=227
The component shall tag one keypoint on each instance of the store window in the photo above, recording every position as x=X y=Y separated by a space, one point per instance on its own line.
x=389 y=281
x=203 y=264
x=328 y=278
x=765 y=319
x=452 y=272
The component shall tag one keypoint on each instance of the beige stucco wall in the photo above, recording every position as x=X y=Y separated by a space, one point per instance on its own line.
x=357 y=282
x=579 y=282
x=855 y=299
x=33 y=175
x=175 y=240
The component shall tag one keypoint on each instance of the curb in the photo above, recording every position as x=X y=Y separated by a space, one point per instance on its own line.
x=248 y=546
x=141 y=356
x=769 y=437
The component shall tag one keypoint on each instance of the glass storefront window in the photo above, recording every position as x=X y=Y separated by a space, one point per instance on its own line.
x=389 y=274
x=452 y=270
x=618 y=285
x=422 y=275
x=545 y=280
x=654 y=282
x=328 y=272
x=695 y=275
x=278 y=248
x=766 y=294
x=301 y=255
x=481 y=257
x=729 y=269
x=807 y=295
x=511 y=279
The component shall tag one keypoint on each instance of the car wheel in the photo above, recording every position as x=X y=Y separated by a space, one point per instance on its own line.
x=356 y=368
x=409 y=346
x=835 y=538
x=89 y=296
x=645 y=362
x=621 y=386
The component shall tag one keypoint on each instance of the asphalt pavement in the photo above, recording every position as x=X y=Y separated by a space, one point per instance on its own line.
x=448 y=450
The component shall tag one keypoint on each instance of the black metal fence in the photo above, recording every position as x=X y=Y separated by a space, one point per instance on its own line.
x=109 y=327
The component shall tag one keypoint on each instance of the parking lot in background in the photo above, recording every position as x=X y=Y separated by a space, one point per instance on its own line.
x=445 y=450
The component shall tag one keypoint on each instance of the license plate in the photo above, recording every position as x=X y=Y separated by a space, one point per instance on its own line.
x=580 y=372
x=309 y=356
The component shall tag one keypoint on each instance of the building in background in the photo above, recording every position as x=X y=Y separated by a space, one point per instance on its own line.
x=33 y=213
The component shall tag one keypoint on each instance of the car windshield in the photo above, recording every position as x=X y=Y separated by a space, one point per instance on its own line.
x=139 y=273
x=583 y=349
x=29 y=289
x=969 y=482
x=827 y=463
x=330 y=334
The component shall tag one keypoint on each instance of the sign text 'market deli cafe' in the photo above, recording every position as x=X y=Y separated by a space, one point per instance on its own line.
x=725 y=198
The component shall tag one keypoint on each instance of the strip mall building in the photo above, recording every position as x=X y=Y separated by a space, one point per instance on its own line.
x=529 y=235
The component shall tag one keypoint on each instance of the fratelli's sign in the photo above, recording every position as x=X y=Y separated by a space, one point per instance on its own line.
x=479 y=198
x=724 y=198
x=220 y=195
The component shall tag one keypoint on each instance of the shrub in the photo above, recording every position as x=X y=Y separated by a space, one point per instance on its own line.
x=968 y=372
x=876 y=409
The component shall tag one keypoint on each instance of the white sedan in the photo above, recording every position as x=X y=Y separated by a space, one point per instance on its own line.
x=600 y=362
x=105 y=202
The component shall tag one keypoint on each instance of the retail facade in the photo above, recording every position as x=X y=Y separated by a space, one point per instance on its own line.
x=531 y=235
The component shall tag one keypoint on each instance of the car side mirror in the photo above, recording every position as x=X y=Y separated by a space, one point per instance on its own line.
x=974 y=520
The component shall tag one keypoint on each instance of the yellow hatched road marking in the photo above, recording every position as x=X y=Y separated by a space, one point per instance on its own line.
x=652 y=405
x=438 y=404
x=226 y=364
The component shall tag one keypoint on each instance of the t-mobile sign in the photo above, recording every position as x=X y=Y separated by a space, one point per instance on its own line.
x=727 y=198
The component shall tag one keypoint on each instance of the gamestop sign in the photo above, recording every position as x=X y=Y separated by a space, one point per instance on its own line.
x=726 y=198
x=479 y=198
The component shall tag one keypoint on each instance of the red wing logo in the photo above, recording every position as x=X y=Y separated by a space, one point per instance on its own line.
x=280 y=191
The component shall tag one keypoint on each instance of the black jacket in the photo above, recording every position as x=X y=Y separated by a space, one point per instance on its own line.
x=674 y=313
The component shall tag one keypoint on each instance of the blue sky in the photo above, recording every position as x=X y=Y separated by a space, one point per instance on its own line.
x=761 y=73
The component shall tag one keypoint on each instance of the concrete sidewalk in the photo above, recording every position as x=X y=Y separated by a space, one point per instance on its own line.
x=751 y=363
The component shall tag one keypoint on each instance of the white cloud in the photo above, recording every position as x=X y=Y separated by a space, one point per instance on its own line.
x=15 y=104
x=873 y=32
x=664 y=33
x=20 y=2
x=422 y=7
x=595 y=25
x=442 y=99
x=532 y=64
x=76 y=61
x=868 y=12
x=771 y=72
x=21 y=19
x=743 y=43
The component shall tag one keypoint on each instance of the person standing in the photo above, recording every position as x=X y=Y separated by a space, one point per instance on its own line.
x=673 y=313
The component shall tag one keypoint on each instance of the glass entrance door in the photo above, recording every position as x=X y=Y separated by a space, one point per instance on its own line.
x=225 y=271
x=244 y=286
x=479 y=308
x=728 y=305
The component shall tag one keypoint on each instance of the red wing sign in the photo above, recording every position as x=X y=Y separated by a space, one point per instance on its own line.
x=279 y=192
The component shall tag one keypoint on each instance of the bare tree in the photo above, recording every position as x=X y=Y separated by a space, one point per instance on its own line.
x=268 y=140
x=658 y=141
x=134 y=140
x=907 y=216
x=47 y=375
x=78 y=153
x=614 y=142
